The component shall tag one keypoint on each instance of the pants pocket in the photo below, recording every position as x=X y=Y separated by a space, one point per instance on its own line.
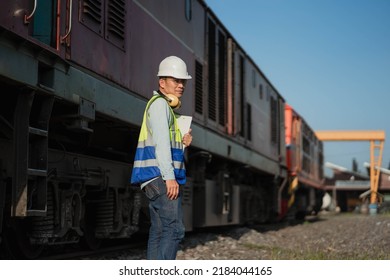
x=151 y=191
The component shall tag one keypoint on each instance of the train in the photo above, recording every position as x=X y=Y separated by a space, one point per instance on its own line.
x=75 y=77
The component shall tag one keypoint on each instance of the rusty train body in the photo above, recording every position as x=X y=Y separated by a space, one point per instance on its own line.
x=75 y=77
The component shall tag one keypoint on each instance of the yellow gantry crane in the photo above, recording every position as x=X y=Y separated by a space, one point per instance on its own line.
x=376 y=139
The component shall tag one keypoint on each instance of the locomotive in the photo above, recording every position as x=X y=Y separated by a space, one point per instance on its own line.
x=75 y=77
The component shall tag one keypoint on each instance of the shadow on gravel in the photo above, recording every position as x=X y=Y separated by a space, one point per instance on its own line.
x=206 y=235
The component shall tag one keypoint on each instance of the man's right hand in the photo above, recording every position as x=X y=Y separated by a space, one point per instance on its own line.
x=172 y=189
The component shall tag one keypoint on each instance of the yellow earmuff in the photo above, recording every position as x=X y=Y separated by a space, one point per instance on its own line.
x=173 y=101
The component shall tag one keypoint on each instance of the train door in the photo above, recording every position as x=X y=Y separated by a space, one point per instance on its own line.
x=44 y=25
x=50 y=23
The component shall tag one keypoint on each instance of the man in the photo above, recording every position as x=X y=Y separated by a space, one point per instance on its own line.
x=159 y=160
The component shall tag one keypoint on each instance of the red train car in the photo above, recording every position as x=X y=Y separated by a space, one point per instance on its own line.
x=304 y=158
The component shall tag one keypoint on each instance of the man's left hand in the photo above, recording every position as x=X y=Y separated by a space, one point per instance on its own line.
x=187 y=138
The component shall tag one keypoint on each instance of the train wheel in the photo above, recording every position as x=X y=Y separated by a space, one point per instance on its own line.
x=17 y=243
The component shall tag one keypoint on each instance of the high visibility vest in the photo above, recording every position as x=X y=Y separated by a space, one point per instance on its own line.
x=145 y=165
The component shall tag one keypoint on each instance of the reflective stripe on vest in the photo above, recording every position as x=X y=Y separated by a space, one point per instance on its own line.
x=145 y=163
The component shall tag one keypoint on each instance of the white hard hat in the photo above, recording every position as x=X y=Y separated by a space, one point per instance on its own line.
x=175 y=67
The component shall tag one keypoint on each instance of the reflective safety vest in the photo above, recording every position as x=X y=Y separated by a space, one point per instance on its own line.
x=145 y=165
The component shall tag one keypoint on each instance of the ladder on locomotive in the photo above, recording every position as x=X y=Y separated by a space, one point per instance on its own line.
x=31 y=129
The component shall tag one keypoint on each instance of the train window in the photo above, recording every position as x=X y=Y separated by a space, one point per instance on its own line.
x=188 y=9
x=261 y=91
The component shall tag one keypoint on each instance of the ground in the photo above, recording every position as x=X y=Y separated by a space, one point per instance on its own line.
x=325 y=237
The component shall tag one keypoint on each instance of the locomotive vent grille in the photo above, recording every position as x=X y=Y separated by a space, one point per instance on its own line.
x=212 y=99
x=107 y=18
x=91 y=15
x=93 y=9
x=116 y=18
x=198 y=87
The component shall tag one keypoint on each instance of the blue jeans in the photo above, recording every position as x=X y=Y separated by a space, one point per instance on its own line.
x=166 y=217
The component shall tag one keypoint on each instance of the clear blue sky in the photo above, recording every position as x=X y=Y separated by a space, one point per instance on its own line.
x=330 y=60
